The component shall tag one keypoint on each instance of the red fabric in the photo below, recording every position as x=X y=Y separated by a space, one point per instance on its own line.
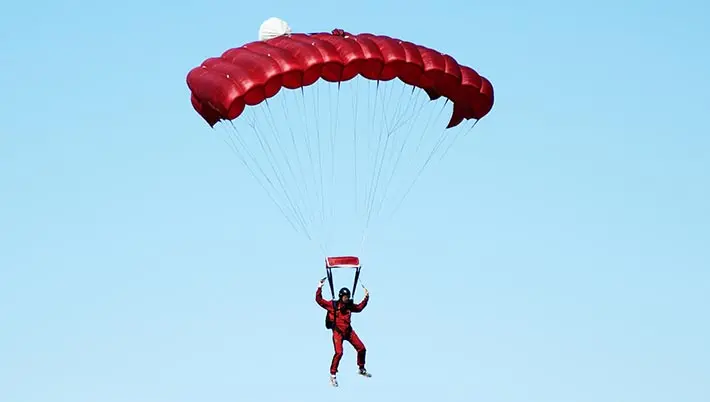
x=343 y=330
x=342 y=319
x=343 y=260
x=338 y=346
x=223 y=86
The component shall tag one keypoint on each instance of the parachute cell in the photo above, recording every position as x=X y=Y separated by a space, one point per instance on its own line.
x=248 y=75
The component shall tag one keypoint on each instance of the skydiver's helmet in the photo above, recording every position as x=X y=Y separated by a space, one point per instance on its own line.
x=344 y=292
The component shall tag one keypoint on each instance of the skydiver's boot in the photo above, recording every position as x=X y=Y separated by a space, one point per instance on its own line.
x=333 y=380
x=364 y=372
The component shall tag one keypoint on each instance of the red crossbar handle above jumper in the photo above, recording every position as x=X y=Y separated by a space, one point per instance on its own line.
x=342 y=262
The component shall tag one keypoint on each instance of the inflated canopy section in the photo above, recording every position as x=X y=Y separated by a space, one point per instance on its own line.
x=335 y=127
x=245 y=76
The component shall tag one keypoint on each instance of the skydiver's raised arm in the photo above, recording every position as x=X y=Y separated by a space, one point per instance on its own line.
x=319 y=298
x=360 y=306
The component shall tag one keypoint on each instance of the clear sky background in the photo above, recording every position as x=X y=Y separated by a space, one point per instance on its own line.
x=559 y=254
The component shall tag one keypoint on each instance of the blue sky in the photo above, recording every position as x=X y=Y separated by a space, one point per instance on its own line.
x=558 y=253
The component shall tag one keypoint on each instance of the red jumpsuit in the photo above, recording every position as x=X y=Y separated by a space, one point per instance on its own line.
x=342 y=329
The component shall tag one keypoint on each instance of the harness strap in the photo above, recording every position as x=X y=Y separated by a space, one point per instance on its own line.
x=329 y=272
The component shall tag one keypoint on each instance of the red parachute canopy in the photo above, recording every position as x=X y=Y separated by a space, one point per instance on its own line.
x=223 y=86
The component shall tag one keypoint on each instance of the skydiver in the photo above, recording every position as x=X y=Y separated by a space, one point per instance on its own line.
x=342 y=330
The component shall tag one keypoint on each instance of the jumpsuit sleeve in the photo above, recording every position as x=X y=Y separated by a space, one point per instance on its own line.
x=360 y=306
x=321 y=301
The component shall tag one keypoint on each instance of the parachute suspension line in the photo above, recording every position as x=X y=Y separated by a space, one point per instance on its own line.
x=400 y=150
x=236 y=152
x=423 y=133
x=426 y=162
x=302 y=185
x=333 y=131
x=395 y=115
x=379 y=154
x=316 y=172
x=307 y=145
x=396 y=128
x=370 y=137
x=326 y=153
x=268 y=152
x=314 y=177
x=391 y=133
x=379 y=164
x=431 y=116
x=331 y=144
x=362 y=243
x=307 y=136
x=369 y=187
x=442 y=138
x=363 y=189
x=316 y=110
x=383 y=156
x=412 y=121
x=271 y=157
x=277 y=135
x=372 y=122
x=327 y=161
x=306 y=189
x=371 y=129
x=355 y=104
x=456 y=137
x=393 y=126
x=307 y=185
x=336 y=135
x=397 y=112
x=318 y=179
x=240 y=155
x=419 y=145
